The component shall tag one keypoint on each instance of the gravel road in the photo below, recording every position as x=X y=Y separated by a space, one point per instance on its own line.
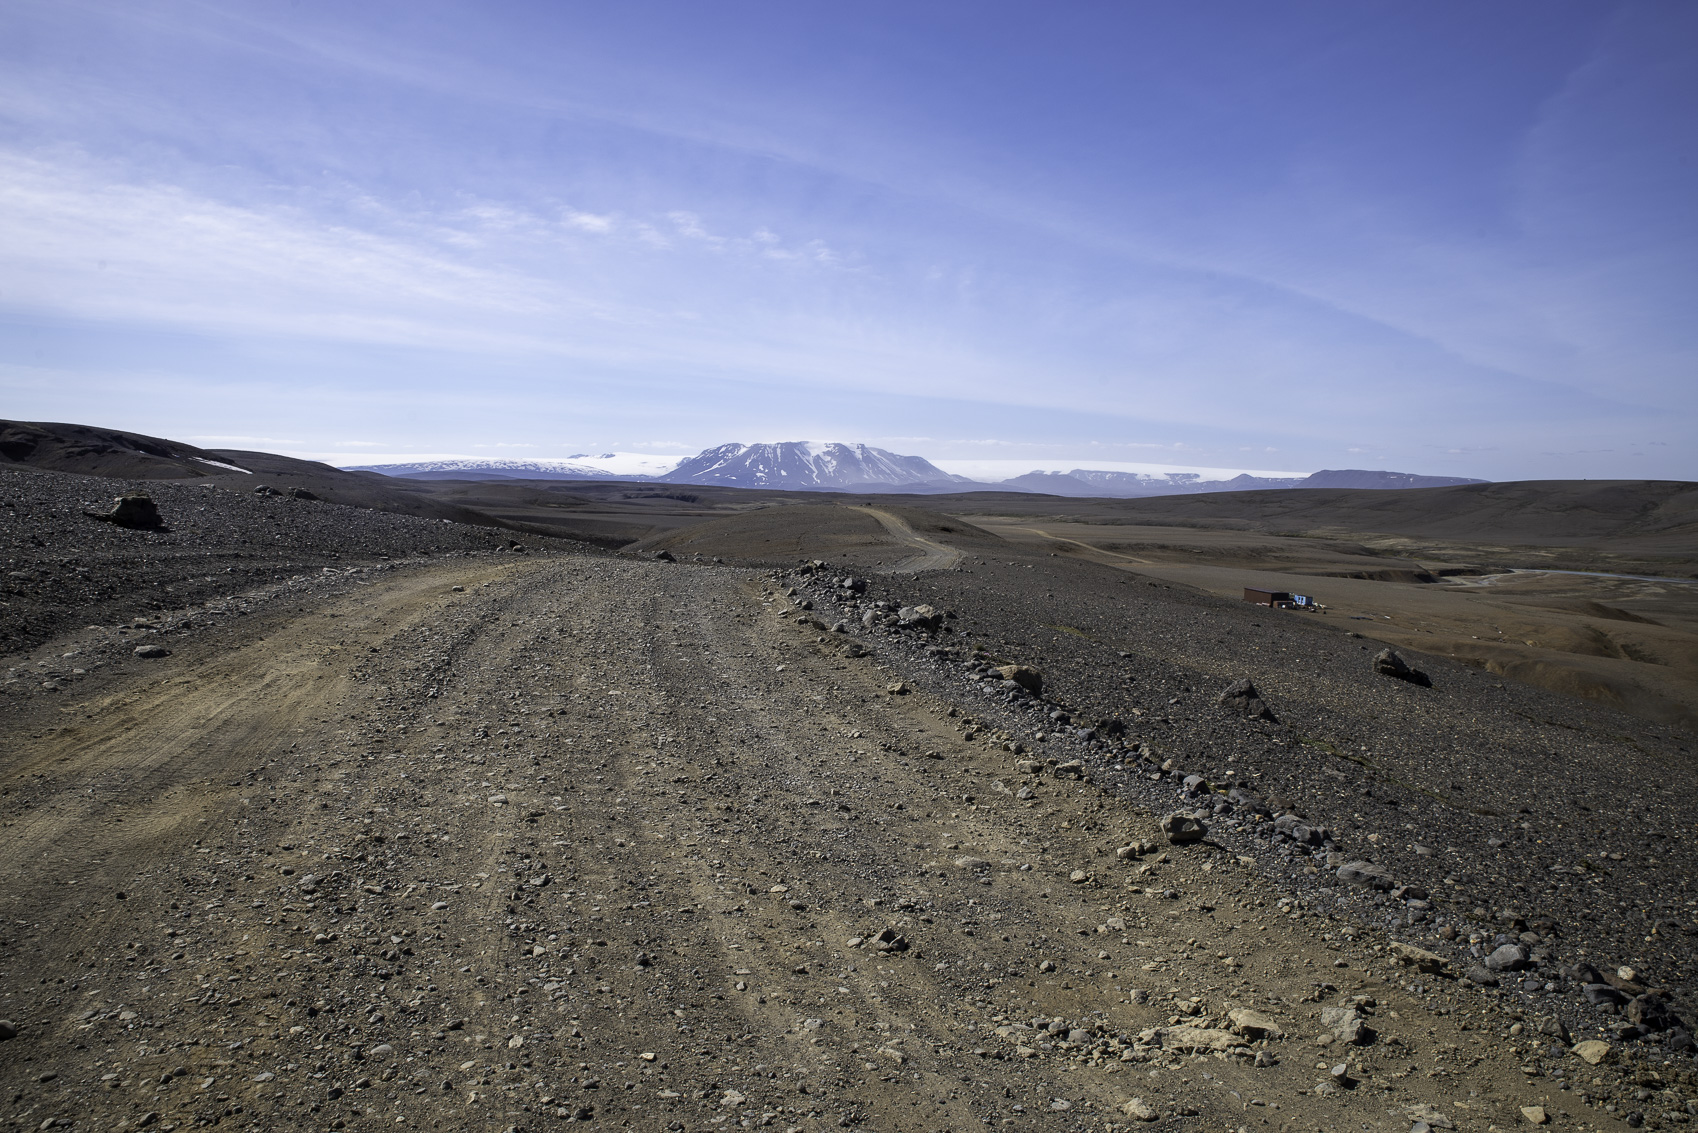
x=505 y=843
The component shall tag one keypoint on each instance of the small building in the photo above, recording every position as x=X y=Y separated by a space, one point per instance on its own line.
x=1265 y=597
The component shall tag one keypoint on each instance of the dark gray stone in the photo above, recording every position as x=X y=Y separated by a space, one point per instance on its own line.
x=1366 y=874
x=1183 y=829
x=1507 y=958
x=1388 y=664
x=1242 y=699
x=137 y=512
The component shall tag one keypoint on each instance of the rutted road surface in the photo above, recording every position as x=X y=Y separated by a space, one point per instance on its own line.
x=613 y=842
x=933 y=555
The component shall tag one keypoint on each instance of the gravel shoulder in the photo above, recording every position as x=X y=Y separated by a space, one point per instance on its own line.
x=510 y=843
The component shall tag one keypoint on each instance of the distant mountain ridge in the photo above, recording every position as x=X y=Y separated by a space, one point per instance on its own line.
x=1132 y=485
x=580 y=466
x=1361 y=478
x=807 y=466
x=837 y=466
x=788 y=465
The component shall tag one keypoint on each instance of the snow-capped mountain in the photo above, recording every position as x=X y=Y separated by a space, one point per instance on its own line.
x=579 y=466
x=806 y=465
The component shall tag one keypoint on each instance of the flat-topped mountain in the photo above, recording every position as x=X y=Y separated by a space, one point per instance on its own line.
x=810 y=465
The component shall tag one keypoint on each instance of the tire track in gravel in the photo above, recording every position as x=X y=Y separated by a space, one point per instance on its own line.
x=934 y=555
x=586 y=840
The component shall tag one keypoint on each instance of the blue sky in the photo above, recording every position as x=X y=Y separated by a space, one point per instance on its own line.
x=1456 y=238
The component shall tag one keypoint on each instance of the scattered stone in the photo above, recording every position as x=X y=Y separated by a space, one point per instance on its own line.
x=1242 y=699
x=888 y=940
x=1431 y=1116
x=1508 y=958
x=1138 y=1110
x=136 y=512
x=1480 y=975
x=1592 y=1051
x=1025 y=676
x=1649 y=1011
x=151 y=651
x=1366 y=874
x=301 y=494
x=8 y=1030
x=897 y=688
x=1346 y=1025
x=664 y=556
x=1183 y=829
x=1423 y=961
x=921 y=617
x=1388 y=664
x=1072 y=769
x=1598 y=995
x=1191 y=1040
x=1254 y=1025
x=1535 y=1114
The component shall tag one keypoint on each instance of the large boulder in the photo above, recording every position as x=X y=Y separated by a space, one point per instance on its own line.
x=1183 y=829
x=1388 y=664
x=139 y=512
x=1241 y=699
x=1650 y=1011
x=1508 y=958
x=1025 y=676
x=1347 y=1025
x=920 y=617
x=1366 y=874
x=1254 y=1025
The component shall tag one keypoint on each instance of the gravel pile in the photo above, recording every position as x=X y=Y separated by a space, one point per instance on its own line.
x=1470 y=818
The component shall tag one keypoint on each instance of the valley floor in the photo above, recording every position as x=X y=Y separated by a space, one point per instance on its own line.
x=504 y=843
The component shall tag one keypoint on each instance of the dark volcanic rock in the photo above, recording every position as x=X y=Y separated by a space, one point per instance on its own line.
x=1182 y=829
x=1365 y=874
x=1388 y=664
x=132 y=511
x=1242 y=699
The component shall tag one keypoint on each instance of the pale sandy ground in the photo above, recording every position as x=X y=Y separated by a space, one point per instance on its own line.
x=1627 y=642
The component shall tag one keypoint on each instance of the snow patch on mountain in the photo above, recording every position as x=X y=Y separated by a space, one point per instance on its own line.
x=579 y=466
x=805 y=465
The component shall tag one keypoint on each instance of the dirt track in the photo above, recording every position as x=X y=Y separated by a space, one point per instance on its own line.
x=588 y=840
x=933 y=555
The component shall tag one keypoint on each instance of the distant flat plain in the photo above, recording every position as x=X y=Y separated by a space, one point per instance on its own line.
x=1564 y=613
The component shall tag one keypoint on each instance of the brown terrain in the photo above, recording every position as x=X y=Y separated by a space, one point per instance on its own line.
x=331 y=815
